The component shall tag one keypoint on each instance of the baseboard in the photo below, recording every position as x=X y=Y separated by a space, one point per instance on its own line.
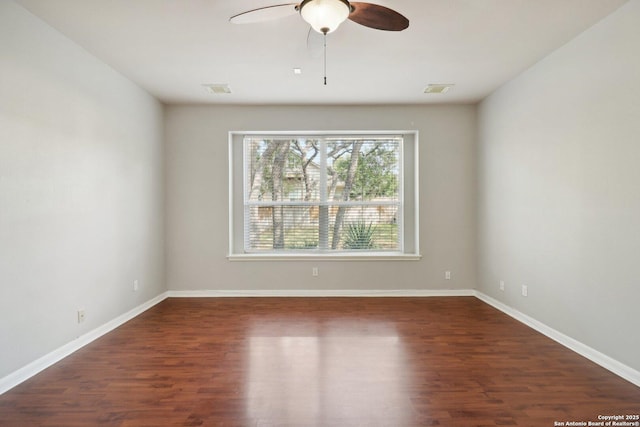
x=60 y=353
x=322 y=293
x=618 y=368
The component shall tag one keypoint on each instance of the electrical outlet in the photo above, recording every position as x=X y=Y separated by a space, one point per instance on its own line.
x=136 y=285
x=447 y=275
x=81 y=315
x=314 y=271
x=502 y=285
x=525 y=290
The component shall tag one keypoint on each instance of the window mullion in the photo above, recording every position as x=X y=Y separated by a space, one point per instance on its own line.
x=323 y=208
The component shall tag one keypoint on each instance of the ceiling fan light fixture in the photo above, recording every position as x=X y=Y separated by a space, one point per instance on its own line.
x=325 y=16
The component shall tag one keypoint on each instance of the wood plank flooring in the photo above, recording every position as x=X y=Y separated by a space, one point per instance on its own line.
x=298 y=362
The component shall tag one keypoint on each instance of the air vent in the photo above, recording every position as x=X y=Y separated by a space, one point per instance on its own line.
x=438 y=88
x=218 y=88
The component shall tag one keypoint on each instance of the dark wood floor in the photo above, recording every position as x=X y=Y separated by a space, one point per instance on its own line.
x=300 y=362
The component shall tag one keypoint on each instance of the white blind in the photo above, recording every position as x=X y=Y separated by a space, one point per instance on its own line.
x=322 y=193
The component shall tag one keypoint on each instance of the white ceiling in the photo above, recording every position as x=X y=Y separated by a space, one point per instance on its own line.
x=172 y=47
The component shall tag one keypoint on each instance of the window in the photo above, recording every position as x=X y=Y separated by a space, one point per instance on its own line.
x=322 y=195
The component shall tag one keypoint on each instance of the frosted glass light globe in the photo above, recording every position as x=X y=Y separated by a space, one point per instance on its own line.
x=325 y=16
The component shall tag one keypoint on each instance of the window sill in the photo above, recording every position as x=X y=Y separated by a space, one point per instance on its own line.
x=381 y=256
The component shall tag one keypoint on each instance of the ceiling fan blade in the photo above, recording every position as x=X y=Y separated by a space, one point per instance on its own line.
x=378 y=17
x=264 y=13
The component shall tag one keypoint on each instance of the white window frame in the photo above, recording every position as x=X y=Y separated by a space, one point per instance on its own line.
x=409 y=243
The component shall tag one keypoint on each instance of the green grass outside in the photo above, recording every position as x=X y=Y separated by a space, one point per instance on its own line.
x=385 y=236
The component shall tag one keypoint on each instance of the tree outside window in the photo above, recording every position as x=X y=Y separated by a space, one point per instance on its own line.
x=322 y=194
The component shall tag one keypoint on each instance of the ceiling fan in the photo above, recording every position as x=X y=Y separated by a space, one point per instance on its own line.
x=325 y=16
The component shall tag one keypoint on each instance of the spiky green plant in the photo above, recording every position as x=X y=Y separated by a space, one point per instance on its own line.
x=360 y=236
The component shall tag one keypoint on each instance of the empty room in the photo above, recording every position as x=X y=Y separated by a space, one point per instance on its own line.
x=327 y=213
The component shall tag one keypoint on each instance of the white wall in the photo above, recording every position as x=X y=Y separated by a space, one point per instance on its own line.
x=197 y=199
x=559 y=188
x=81 y=192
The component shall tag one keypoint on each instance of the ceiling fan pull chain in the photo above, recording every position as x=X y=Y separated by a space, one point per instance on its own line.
x=325 y=58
